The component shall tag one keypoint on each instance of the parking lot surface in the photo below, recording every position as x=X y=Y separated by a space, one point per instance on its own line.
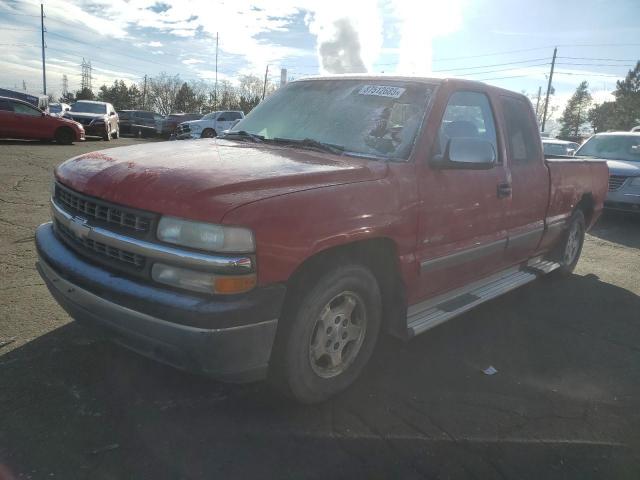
x=564 y=402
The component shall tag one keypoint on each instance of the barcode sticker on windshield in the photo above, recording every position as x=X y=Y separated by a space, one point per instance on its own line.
x=382 y=91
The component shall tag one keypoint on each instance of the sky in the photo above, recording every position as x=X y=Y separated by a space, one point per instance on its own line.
x=502 y=42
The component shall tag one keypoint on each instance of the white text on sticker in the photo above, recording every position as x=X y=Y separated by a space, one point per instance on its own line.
x=382 y=91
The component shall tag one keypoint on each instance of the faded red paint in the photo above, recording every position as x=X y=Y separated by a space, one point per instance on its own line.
x=300 y=202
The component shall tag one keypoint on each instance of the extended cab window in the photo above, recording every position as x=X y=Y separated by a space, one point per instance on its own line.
x=468 y=115
x=522 y=131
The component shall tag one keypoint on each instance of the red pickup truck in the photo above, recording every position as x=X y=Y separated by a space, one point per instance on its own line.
x=338 y=208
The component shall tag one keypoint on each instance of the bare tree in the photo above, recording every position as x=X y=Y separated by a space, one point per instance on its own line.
x=162 y=91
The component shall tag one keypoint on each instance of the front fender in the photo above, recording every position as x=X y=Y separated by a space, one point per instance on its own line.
x=291 y=228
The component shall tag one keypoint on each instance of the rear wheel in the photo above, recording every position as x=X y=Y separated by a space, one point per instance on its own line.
x=64 y=136
x=571 y=247
x=328 y=336
x=208 y=133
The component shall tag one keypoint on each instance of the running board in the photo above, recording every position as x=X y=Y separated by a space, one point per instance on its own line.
x=430 y=313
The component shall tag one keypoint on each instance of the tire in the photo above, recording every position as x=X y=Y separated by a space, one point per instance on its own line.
x=208 y=133
x=327 y=337
x=570 y=248
x=64 y=136
x=107 y=135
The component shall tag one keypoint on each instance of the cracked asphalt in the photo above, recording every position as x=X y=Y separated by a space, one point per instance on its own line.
x=564 y=403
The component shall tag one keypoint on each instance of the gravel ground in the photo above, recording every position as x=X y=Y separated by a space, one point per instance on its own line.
x=564 y=403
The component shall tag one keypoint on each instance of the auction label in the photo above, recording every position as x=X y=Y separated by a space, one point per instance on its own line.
x=382 y=91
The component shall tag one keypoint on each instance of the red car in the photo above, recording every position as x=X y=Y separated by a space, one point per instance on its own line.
x=22 y=120
x=340 y=208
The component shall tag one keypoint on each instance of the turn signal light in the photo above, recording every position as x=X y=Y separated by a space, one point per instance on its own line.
x=229 y=285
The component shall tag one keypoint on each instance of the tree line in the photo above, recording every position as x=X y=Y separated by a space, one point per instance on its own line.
x=623 y=113
x=167 y=94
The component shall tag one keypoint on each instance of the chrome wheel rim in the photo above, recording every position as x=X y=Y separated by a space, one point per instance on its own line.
x=337 y=335
x=573 y=244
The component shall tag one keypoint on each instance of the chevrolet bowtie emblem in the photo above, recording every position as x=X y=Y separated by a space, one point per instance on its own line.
x=79 y=227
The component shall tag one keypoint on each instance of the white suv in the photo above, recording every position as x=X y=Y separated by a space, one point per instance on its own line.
x=210 y=125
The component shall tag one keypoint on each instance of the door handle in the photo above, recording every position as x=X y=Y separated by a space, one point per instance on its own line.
x=504 y=190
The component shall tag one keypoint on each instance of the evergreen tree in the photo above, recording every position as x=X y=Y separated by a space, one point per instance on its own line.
x=575 y=113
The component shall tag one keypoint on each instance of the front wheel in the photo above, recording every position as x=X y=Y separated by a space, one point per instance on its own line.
x=571 y=246
x=328 y=336
x=208 y=133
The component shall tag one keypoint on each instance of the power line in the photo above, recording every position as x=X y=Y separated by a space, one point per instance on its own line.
x=488 y=66
x=500 y=70
x=596 y=64
x=587 y=74
x=600 y=59
x=20 y=14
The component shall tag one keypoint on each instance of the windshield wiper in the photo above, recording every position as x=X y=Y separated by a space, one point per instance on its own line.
x=311 y=143
x=244 y=135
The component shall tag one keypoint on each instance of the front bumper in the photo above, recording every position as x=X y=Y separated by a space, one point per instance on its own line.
x=227 y=338
x=626 y=198
x=95 y=130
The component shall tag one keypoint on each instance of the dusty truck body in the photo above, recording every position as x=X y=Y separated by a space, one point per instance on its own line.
x=339 y=208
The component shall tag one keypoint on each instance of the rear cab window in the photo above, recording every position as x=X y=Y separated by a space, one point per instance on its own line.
x=522 y=135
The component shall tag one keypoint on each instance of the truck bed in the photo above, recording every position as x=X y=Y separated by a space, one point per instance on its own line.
x=570 y=179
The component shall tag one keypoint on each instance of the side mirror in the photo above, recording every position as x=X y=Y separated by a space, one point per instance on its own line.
x=466 y=153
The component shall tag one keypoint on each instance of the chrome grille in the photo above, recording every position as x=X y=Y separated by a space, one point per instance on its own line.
x=73 y=203
x=101 y=249
x=615 y=182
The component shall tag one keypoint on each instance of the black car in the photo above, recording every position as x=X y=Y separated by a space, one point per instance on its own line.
x=140 y=123
x=99 y=119
x=172 y=121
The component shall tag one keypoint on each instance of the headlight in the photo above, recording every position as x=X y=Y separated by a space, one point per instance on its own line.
x=635 y=182
x=202 y=281
x=205 y=236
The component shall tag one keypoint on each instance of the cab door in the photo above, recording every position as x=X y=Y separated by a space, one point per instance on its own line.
x=461 y=234
x=225 y=121
x=7 y=119
x=29 y=122
x=529 y=178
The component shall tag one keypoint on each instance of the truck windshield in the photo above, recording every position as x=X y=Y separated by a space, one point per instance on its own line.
x=612 y=147
x=89 y=108
x=376 y=117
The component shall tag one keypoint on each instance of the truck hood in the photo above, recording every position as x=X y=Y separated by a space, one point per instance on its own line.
x=204 y=179
x=623 y=167
x=197 y=122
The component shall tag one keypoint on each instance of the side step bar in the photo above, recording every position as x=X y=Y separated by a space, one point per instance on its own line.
x=430 y=313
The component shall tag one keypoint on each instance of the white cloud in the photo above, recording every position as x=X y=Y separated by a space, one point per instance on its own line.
x=155 y=44
x=192 y=61
x=418 y=24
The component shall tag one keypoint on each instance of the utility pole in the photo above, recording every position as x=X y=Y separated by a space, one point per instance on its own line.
x=264 y=88
x=144 y=93
x=44 y=71
x=24 y=85
x=65 y=86
x=546 y=102
x=538 y=101
x=215 y=91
